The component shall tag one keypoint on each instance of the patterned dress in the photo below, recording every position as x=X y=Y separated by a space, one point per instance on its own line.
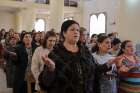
x=129 y=82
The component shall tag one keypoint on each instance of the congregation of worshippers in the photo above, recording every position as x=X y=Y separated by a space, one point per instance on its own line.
x=71 y=61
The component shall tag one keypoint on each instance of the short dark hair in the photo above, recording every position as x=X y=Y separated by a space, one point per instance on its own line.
x=101 y=34
x=82 y=29
x=93 y=35
x=115 y=41
x=65 y=26
x=47 y=35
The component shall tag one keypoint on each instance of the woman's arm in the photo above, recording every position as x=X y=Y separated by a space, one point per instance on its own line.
x=35 y=65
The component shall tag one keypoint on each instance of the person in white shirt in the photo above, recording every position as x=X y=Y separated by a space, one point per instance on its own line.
x=105 y=65
x=37 y=62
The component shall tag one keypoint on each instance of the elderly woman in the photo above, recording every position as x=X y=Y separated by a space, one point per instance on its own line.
x=37 y=62
x=73 y=71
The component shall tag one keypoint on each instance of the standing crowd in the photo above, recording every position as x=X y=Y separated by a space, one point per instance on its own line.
x=68 y=62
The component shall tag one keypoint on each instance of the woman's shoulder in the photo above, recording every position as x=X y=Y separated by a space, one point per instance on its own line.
x=39 y=48
x=57 y=50
x=20 y=46
x=94 y=54
x=107 y=55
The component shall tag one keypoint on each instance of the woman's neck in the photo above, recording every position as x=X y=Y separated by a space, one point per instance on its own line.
x=28 y=45
x=13 y=45
x=102 y=53
x=114 y=49
x=37 y=43
x=128 y=55
x=71 y=46
x=50 y=49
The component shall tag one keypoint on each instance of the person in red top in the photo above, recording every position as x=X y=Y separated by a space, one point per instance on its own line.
x=1 y=54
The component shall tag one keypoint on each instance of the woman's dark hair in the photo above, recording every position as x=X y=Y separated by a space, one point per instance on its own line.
x=115 y=41
x=65 y=26
x=123 y=45
x=22 y=35
x=6 y=34
x=34 y=35
x=101 y=34
x=1 y=34
x=2 y=30
x=100 y=40
x=47 y=35
x=110 y=34
x=23 y=31
x=93 y=35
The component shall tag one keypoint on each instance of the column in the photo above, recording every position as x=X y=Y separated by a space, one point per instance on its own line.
x=25 y=19
x=56 y=14
x=18 y=21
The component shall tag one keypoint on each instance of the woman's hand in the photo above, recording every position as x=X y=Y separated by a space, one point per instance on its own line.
x=123 y=68
x=114 y=60
x=49 y=63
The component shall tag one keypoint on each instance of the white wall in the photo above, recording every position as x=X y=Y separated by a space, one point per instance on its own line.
x=7 y=20
x=97 y=6
x=128 y=20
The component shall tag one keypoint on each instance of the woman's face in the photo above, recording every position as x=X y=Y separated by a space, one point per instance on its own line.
x=117 y=46
x=129 y=48
x=13 y=41
x=7 y=36
x=3 y=32
x=11 y=32
x=94 y=39
x=83 y=37
x=27 y=39
x=37 y=37
x=17 y=37
x=105 y=46
x=51 y=42
x=72 y=34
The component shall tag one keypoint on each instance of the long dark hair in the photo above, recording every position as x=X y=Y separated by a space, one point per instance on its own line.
x=34 y=36
x=22 y=36
x=123 y=45
x=99 y=40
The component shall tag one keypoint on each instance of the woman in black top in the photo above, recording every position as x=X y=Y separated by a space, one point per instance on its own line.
x=74 y=65
x=24 y=53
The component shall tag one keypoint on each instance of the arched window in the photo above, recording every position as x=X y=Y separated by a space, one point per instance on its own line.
x=40 y=25
x=71 y=3
x=42 y=1
x=97 y=23
x=68 y=18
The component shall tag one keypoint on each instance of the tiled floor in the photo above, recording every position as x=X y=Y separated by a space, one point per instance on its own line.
x=3 y=88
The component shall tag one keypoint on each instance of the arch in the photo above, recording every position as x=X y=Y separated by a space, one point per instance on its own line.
x=97 y=23
x=40 y=25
